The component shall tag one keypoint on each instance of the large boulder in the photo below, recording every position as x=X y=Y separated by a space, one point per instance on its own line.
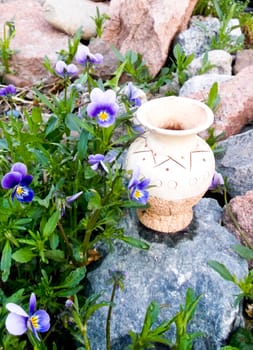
x=235 y=109
x=173 y=264
x=34 y=40
x=69 y=16
x=147 y=27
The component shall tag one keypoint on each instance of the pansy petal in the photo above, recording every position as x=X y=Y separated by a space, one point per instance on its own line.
x=16 y=309
x=134 y=179
x=23 y=194
x=98 y=58
x=110 y=96
x=26 y=180
x=32 y=304
x=72 y=69
x=95 y=158
x=60 y=68
x=81 y=54
x=20 y=168
x=72 y=198
x=11 y=89
x=93 y=109
x=143 y=184
x=96 y=95
x=105 y=123
x=43 y=321
x=11 y=179
x=16 y=324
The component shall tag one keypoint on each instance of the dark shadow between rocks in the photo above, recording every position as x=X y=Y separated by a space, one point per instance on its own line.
x=170 y=239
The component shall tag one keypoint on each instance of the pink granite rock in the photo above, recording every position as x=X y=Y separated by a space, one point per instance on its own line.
x=236 y=107
x=34 y=40
x=244 y=58
x=242 y=210
x=147 y=27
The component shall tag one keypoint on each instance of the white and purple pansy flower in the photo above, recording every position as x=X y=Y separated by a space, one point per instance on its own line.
x=84 y=56
x=138 y=188
x=18 y=321
x=19 y=180
x=217 y=180
x=65 y=70
x=133 y=94
x=97 y=162
x=103 y=107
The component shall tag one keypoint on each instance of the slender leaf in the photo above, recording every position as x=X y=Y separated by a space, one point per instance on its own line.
x=222 y=270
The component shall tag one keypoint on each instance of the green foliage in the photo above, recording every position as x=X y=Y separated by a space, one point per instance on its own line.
x=209 y=7
x=6 y=52
x=151 y=334
x=206 y=65
x=213 y=98
x=47 y=244
x=223 y=39
x=241 y=339
x=133 y=65
x=245 y=284
x=181 y=63
x=68 y=55
x=100 y=21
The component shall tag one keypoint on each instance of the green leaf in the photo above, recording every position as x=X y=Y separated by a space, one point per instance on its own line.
x=222 y=270
x=6 y=261
x=82 y=144
x=94 y=201
x=72 y=122
x=23 y=255
x=134 y=242
x=150 y=318
x=51 y=224
x=52 y=125
x=55 y=254
x=54 y=240
x=36 y=115
x=243 y=251
x=73 y=278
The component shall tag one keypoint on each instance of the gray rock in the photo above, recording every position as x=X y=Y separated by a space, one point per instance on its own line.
x=164 y=273
x=196 y=39
x=202 y=82
x=220 y=60
x=236 y=162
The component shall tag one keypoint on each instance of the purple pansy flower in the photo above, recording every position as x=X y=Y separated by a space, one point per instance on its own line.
x=133 y=94
x=19 y=180
x=8 y=90
x=97 y=162
x=217 y=180
x=103 y=106
x=68 y=200
x=83 y=56
x=137 y=188
x=18 y=321
x=65 y=70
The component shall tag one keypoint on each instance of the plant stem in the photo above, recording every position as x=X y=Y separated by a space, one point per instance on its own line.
x=89 y=229
x=66 y=240
x=108 y=319
x=85 y=338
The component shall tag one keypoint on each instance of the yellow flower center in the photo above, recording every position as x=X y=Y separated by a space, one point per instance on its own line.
x=20 y=191
x=137 y=194
x=103 y=116
x=35 y=321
